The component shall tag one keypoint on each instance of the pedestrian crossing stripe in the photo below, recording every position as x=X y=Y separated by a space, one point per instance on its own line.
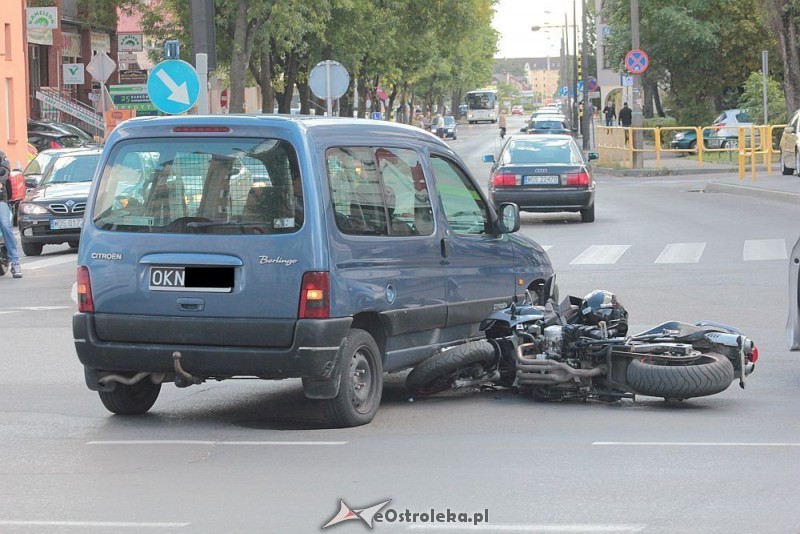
x=678 y=253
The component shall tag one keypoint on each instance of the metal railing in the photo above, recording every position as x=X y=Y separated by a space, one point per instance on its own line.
x=754 y=147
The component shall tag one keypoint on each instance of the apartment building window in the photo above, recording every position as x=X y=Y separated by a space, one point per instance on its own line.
x=9 y=111
x=7 y=41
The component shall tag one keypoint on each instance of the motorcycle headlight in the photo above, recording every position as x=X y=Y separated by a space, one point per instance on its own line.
x=33 y=209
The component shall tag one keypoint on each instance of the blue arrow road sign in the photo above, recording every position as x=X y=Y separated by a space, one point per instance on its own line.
x=173 y=86
x=580 y=86
x=564 y=90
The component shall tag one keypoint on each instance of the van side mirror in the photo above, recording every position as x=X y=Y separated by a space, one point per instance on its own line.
x=509 y=218
x=488 y=158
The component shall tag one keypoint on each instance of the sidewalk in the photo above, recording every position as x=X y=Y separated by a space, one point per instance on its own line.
x=721 y=177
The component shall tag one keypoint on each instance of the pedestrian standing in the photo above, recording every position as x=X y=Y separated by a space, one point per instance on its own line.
x=440 y=125
x=625 y=119
x=610 y=114
x=502 y=123
x=6 y=225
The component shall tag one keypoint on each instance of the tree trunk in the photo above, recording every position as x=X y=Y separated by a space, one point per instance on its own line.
x=780 y=16
x=244 y=34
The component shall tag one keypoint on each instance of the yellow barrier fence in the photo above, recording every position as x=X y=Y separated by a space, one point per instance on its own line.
x=755 y=145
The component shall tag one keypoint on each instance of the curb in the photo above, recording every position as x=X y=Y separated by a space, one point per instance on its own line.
x=609 y=171
x=771 y=194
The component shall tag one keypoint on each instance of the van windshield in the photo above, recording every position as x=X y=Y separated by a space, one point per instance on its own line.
x=208 y=186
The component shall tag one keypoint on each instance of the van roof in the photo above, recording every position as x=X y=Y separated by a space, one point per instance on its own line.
x=320 y=127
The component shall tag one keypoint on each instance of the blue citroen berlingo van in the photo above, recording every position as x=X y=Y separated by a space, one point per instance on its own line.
x=327 y=249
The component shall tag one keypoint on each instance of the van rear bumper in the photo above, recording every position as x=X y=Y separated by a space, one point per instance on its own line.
x=312 y=353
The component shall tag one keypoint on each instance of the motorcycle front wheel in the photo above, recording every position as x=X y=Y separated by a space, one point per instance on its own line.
x=440 y=372
x=709 y=374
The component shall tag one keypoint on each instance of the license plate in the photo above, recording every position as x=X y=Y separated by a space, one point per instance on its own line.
x=65 y=224
x=546 y=179
x=167 y=278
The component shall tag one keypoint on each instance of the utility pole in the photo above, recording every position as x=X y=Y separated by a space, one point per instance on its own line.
x=637 y=120
x=587 y=137
x=575 y=123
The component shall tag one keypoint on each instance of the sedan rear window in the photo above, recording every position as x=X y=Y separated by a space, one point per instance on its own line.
x=541 y=151
x=206 y=186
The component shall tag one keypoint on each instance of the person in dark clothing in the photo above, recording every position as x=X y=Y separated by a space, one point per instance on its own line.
x=610 y=114
x=625 y=119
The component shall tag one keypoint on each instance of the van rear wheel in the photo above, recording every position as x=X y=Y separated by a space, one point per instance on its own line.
x=135 y=399
x=360 y=382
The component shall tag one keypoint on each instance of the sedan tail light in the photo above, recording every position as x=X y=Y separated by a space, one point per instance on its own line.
x=504 y=180
x=578 y=178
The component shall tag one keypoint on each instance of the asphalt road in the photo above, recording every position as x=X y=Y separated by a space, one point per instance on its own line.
x=252 y=456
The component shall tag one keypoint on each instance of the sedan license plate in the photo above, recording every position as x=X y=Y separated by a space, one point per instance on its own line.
x=65 y=224
x=545 y=179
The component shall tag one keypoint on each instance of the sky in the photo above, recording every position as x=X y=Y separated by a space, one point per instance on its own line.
x=513 y=20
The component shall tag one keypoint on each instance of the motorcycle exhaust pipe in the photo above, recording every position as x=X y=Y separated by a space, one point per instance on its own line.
x=549 y=372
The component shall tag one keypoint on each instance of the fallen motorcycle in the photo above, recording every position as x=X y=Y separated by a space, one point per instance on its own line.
x=580 y=350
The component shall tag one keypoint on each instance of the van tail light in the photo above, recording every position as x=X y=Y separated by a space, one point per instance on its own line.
x=504 y=180
x=315 y=300
x=85 y=300
x=578 y=178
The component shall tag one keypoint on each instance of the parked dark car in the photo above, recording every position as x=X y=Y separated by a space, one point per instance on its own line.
x=543 y=173
x=47 y=140
x=346 y=248
x=52 y=213
x=59 y=128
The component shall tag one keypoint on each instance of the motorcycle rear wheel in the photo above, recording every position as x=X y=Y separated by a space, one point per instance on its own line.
x=439 y=372
x=711 y=373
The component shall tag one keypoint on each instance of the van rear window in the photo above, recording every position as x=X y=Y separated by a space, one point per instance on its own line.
x=205 y=186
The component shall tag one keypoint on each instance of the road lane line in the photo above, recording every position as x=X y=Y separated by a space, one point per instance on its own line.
x=534 y=527
x=93 y=524
x=600 y=255
x=696 y=444
x=681 y=253
x=764 y=249
x=49 y=262
x=207 y=443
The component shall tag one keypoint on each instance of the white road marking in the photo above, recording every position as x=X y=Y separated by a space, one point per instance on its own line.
x=49 y=262
x=765 y=249
x=207 y=443
x=696 y=444
x=681 y=253
x=534 y=527
x=92 y=524
x=600 y=254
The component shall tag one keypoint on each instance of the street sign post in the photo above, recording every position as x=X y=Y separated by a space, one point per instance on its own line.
x=100 y=67
x=329 y=80
x=173 y=86
x=636 y=61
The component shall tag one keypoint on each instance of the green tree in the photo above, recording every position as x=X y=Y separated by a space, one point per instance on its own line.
x=753 y=99
x=782 y=17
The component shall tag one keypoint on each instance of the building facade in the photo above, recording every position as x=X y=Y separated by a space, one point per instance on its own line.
x=13 y=83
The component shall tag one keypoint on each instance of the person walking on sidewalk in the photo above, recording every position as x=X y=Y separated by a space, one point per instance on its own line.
x=5 y=216
x=502 y=122
x=610 y=114
x=625 y=119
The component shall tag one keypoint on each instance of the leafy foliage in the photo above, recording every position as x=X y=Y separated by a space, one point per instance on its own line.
x=753 y=101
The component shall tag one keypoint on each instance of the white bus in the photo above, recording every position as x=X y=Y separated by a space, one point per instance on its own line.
x=482 y=105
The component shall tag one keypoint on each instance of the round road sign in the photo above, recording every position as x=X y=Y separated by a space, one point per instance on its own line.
x=636 y=61
x=325 y=72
